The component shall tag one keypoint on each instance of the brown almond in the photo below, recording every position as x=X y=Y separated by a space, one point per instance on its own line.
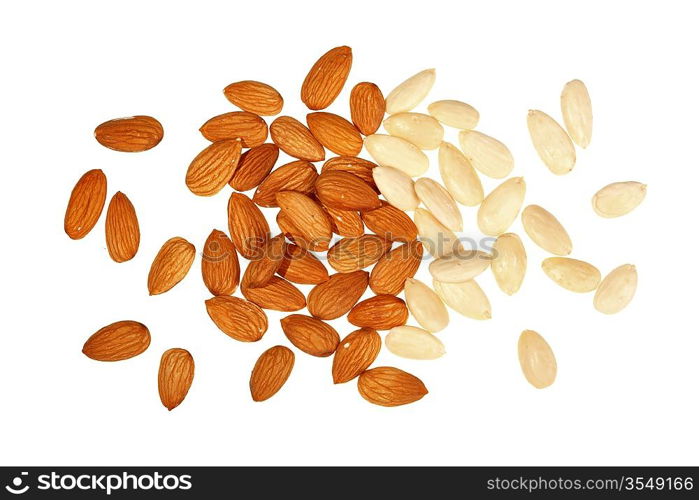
x=299 y=175
x=220 y=268
x=308 y=218
x=357 y=166
x=261 y=270
x=212 y=168
x=271 y=372
x=248 y=127
x=337 y=189
x=85 y=204
x=301 y=266
x=238 y=318
x=335 y=133
x=367 y=107
x=121 y=229
x=255 y=97
x=175 y=377
x=311 y=335
x=326 y=78
x=291 y=232
x=351 y=254
x=387 y=386
x=130 y=135
x=355 y=353
x=389 y=274
x=171 y=265
x=295 y=139
x=346 y=223
x=254 y=167
x=390 y=223
x=381 y=312
x=277 y=294
x=336 y=296
x=248 y=227
x=118 y=341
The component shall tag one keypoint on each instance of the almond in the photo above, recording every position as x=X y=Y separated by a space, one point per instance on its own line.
x=618 y=198
x=425 y=306
x=254 y=97
x=467 y=298
x=345 y=191
x=212 y=168
x=121 y=229
x=455 y=114
x=390 y=223
x=551 y=142
x=311 y=335
x=171 y=265
x=261 y=269
x=277 y=294
x=419 y=129
x=387 y=386
x=298 y=176
x=335 y=133
x=175 y=377
x=326 y=78
x=336 y=296
x=411 y=92
x=488 y=155
x=572 y=274
x=118 y=341
x=351 y=254
x=616 y=290
x=248 y=127
x=509 y=264
x=397 y=187
x=413 y=343
x=460 y=266
x=357 y=166
x=500 y=208
x=439 y=240
x=301 y=266
x=459 y=176
x=271 y=372
x=254 y=167
x=577 y=112
x=390 y=272
x=295 y=139
x=238 y=318
x=355 y=353
x=248 y=227
x=381 y=312
x=220 y=268
x=367 y=107
x=545 y=230
x=308 y=218
x=439 y=202
x=346 y=223
x=132 y=134
x=536 y=359
x=390 y=151
x=291 y=232
x=85 y=204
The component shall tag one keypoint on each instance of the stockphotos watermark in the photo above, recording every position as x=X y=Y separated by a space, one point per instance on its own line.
x=105 y=483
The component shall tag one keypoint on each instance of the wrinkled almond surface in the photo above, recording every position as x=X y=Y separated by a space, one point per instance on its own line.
x=354 y=354
x=277 y=294
x=387 y=386
x=311 y=335
x=254 y=167
x=338 y=189
x=211 y=170
x=248 y=127
x=85 y=204
x=391 y=271
x=118 y=341
x=301 y=266
x=367 y=107
x=131 y=134
x=255 y=97
x=220 y=268
x=326 y=78
x=121 y=228
x=247 y=226
x=335 y=133
x=336 y=296
x=295 y=139
x=390 y=223
x=308 y=218
x=170 y=265
x=175 y=376
x=238 y=318
x=352 y=254
x=381 y=312
x=271 y=372
x=299 y=175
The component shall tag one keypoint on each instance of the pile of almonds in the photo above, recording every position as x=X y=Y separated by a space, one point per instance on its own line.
x=349 y=195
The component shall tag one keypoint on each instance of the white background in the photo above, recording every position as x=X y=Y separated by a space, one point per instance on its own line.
x=626 y=391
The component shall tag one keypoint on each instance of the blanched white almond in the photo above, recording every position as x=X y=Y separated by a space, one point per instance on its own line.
x=397 y=187
x=500 y=208
x=422 y=130
x=389 y=151
x=466 y=298
x=616 y=290
x=411 y=92
x=438 y=201
x=536 y=359
x=425 y=306
x=577 y=112
x=545 y=230
x=572 y=274
x=460 y=266
x=437 y=238
x=490 y=156
x=551 y=142
x=509 y=262
x=413 y=343
x=618 y=198
x=455 y=114
x=459 y=176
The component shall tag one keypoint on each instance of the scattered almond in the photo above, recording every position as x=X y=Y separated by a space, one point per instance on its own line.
x=326 y=78
x=308 y=218
x=85 y=204
x=346 y=223
x=411 y=92
x=295 y=139
x=387 y=386
x=248 y=127
x=255 y=97
x=271 y=372
x=509 y=263
x=425 y=306
x=238 y=318
x=618 y=198
x=335 y=133
x=352 y=254
x=336 y=296
x=397 y=187
x=121 y=229
x=338 y=189
x=277 y=294
x=357 y=166
x=381 y=312
x=175 y=377
x=616 y=290
x=500 y=208
x=220 y=268
x=419 y=129
x=254 y=167
x=261 y=270
x=171 y=265
x=211 y=170
x=390 y=223
x=367 y=107
x=460 y=178
x=299 y=175
x=301 y=266
x=551 y=142
x=460 y=266
x=311 y=335
x=488 y=155
x=390 y=272
x=467 y=298
x=545 y=230
x=536 y=359
x=354 y=354
x=413 y=343
x=390 y=151
x=577 y=112
x=247 y=226
x=130 y=135
x=571 y=274
x=455 y=114
x=118 y=341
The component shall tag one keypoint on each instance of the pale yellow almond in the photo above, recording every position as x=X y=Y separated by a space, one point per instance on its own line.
x=616 y=290
x=467 y=298
x=488 y=155
x=500 y=208
x=397 y=187
x=412 y=342
x=551 y=142
x=509 y=262
x=460 y=266
x=545 y=230
x=389 y=151
x=459 y=176
x=618 y=198
x=577 y=112
x=455 y=114
x=536 y=359
x=425 y=306
x=411 y=92
x=436 y=237
x=438 y=201
x=422 y=130
x=572 y=274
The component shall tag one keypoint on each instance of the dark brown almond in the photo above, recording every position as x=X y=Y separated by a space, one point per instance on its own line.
x=85 y=204
x=387 y=386
x=301 y=266
x=121 y=229
x=238 y=318
x=118 y=341
x=299 y=175
x=336 y=296
x=295 y=139
x=220 y=268
x=311 y=335
x=326 y=78
x=308 y=217
x=389 y=273
x=261 y=270
x=391 y=223
x=381 y=312
x=346 y=223
x=255 y=97
x=357 y=166
x=277 y=294
x=248 y=227
x=354 y=354
x=212 y=168
x=175 y=376
x=248 y=127
x=335 y=133
x=271 y=372
x=130 y=135
x=254 y=166
x=345 y=191
x=351 y=254
x=171 y=265
x=367 y=107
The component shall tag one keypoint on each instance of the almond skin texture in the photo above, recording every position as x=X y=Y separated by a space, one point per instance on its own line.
x=175 y=377
x=254 y=167
x=616 y=290
x=118 y=341
x=345 y=191
x=291 y=232
x=238 y=318
x=367 y=107
x=387 y=386
x=552 y=143
x=277 y=294
x=335 y=133
x=326 y=78
x=220 y=268
x=346 y=223
x=301 y=266
x=299 y=175
x=171 y=265
x=576 y=109
x=255 y=97
x=261 y=270
x=536 y=359
x=121 y=229
x=248 y=227
x=336 y=296
x=130 y=135
x=545 y=230
x=352 y=254
x=389 y=273
x=311 y=335
x=212 y=168
x=357 y=166
x=271 y=372
x=390 y=223
x=308 y=217
x=411 y=92
x=382 y=312
x=295 y=139
x=85 y=204
x=248 y=127
x=355 y=353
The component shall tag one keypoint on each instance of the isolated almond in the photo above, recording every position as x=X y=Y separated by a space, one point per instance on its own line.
x=118 y=341
x=337 y=189
x=411 y=92
x=437 y=238
x=255 y=97
x=121 y=229
x=171 y=265
x=254 y=166
x=618 y=198
x=390 y=151
x=299 y=175
x=335 y=133
x=85 y=204
x=347 y=223
x=536 y=359
x=358 y=166
x=311 y=335
x=271 y=372
x=220 y=268
x=545 y=230
x=261 y=269
x=355 y=353
x=248 y=227
x=425 y=306
x=132 y=134
x=577 y=112
x=419 y=129
x=397 y=187
x=391 y=271
x=387 y=386
x=460 y=266
x=455 y=114
x=413 y=343
x=295 y=139
x=509 y=263
x=277 y=294
x=308 y=217
x=571 y=274
x=381 y=312
x=211 y=170
x=551 y=142
x=459 y=176
x=467 y=298
x=336 y=296
x=500 y=208
x=326 y=78
x=367 y=107
x=390 y=223
x=301 y=266
x=439 y=202
x=248 y=127
x=175 y=376
x=616 y=290
x=238 y=318
x=352 y=254
x=488 y=155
